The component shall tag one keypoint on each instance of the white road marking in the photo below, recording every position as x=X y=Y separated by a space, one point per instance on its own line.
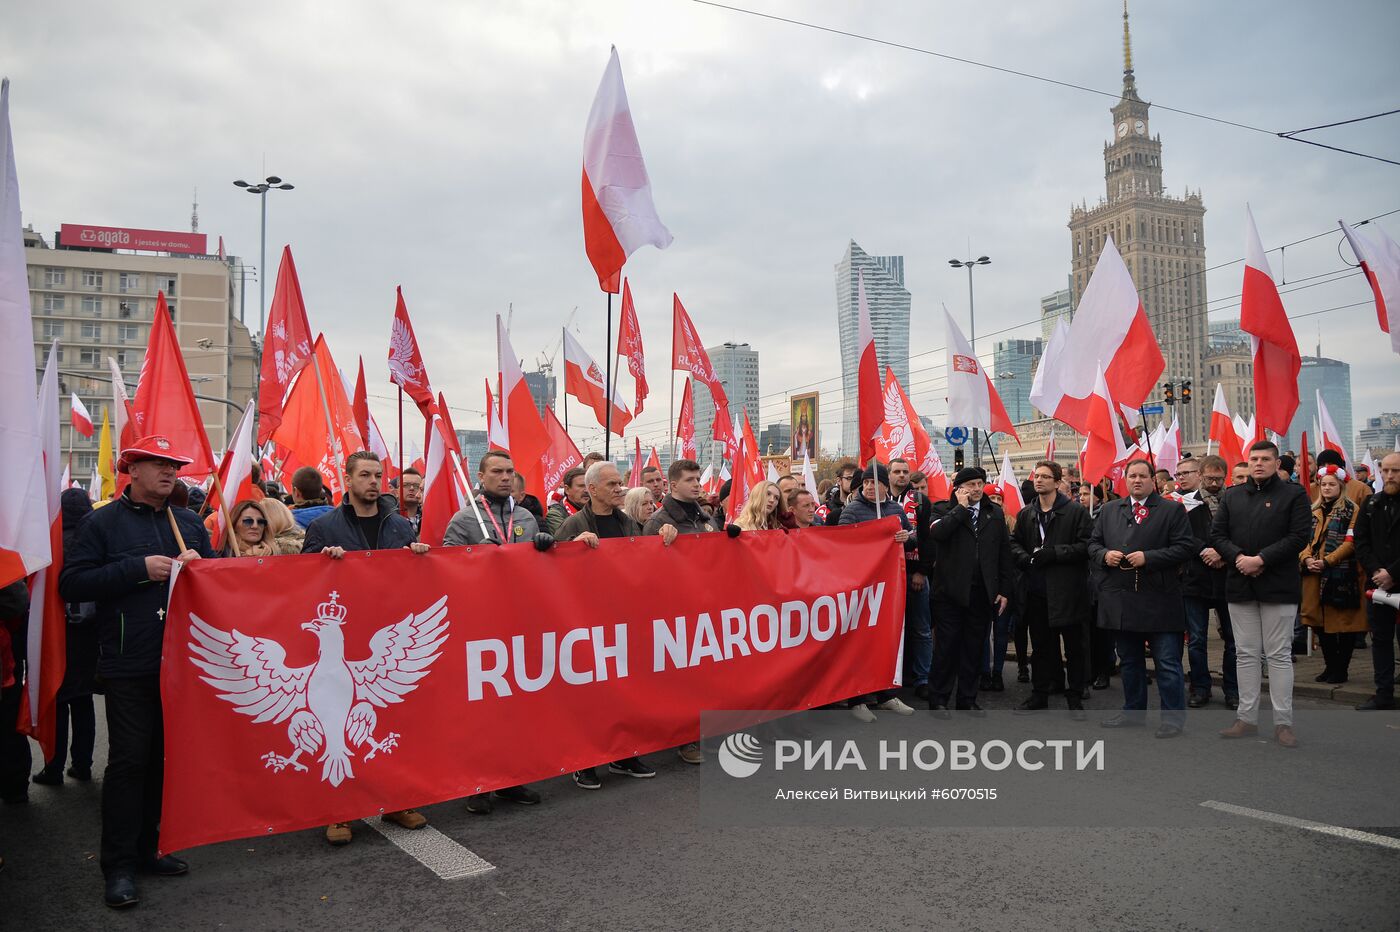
x=434 y=850
x=1351 y=834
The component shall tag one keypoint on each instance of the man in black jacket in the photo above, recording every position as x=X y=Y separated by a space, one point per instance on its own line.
x=918 y=564
x=681 y=508
x=836 y=496
x=121 y=560
x=1378 y=551
x=973 y=578
x=1203 y=585
x=1259 y=529
x=1051 y=547
x=364 y=521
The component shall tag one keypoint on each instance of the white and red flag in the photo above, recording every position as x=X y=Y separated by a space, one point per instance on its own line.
x=1277 y=361
x=1111 y=329
x=286 y=347
x=496 y=436
x=584 y=380
x=1332 y=438
x=619 y=216
x=165 y=402
x=1011 y=501
x=1168 y=448
x=685 y=425
x=653 y=461
x=629 y=346
x=78 y=415
x=1222 y=429
x=520 y=419
x=634 y=474
x=235 y=474
x=123 y=430
x=870 y=400
x=688 y=353
x=972 y=400
x=1379 y=256
x=46 y=656
x=1050 y=445
x=1103 y=444
x=406 y=368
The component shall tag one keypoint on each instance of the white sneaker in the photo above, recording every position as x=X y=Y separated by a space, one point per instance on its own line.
x=862 y=712
x=895 y=705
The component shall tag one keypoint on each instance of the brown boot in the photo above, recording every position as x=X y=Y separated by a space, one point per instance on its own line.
x=408 y=818
x=338 y=833
x=1240 y=729
x=1283 y=734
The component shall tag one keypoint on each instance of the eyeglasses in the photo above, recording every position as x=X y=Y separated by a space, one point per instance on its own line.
x=253 y=522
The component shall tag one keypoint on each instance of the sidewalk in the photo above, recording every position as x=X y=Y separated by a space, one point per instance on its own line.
x=1359 y=687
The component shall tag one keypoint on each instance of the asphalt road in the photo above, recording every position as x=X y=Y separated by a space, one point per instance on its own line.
x=637 y=855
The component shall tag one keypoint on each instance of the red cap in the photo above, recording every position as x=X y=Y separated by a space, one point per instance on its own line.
x=154 y=447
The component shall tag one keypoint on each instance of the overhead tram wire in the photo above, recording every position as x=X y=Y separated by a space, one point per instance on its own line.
x=1114 y=95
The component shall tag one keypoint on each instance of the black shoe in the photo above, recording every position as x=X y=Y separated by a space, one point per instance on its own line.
x=1101 y=682
x=520 y=795
x=1023 y=675
x=1376 y=702
x=1121 y=720
x=480 y=804
x=921 y=692
x=168 y=866
x=984 y=682
x=1197 y=701
x=940 y=711
x=587 y=779
x=997 y=685
x=121 y=890
x=47 y=777
x=1324 y=677
x=631 y=767
x=1165 y=730
x=80 y=773
x=972 y=709
x=1034 y=704
x=1232 y=702
x=1337 y=679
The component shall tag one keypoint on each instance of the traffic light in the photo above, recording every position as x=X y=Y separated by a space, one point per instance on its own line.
x=1170 y=396
x=1186 y=392
x=957 y=458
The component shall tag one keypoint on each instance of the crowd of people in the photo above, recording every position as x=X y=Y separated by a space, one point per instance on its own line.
x=1080 y=584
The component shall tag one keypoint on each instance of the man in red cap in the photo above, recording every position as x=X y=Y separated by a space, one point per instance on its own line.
x=122 y=560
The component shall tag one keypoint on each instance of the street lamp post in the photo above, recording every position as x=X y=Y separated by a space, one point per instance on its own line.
x=972 y=329
x=271 y=183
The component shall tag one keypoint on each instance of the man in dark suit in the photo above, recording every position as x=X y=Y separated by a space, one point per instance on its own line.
x=1135 y=555
x=973 y=577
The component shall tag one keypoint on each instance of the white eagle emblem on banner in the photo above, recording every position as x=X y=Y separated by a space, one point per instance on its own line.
x=901 y=436
x=401 y=363
x=331 y=703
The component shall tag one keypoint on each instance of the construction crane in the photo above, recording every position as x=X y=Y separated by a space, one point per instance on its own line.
x=546 y=360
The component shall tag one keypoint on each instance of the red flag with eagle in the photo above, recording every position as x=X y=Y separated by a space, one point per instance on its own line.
x=629 y=346
x=406 y=368
x=286 y=347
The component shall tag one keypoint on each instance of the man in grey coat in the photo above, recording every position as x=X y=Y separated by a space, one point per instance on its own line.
x=1135 y=555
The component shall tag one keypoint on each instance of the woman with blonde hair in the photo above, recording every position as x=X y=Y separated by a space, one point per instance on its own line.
x=287 y=536
x=249 y=530
x=639 y=504
x=765 y=509
x=1333 y=580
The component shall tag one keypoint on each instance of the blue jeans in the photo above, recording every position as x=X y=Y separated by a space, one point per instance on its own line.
x=1197 y=625
x=1166 y=656
x=918 y=637
x=994 y=654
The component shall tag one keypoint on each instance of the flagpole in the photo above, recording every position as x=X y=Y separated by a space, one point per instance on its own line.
x=229 y=533
x=400 y=450
x=330 y=426
x=671 y=421
x=608 y=377
x=1147 y=438
x=566 y=383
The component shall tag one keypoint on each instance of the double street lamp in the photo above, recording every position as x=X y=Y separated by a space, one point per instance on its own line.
x=972 y=328
x=271 y=183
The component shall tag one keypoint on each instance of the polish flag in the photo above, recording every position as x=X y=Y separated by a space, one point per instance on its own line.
x=688 y=353
x=442 y=493
x=771 y=473
x=286 y=347
x=809 y=477
x=1222 y=430
x=81 y=420
x=972 y=401
x=1103 y=445
x=165 y=402
x=1276 y=358
x=1332 y=439
x=520 y=418
x=708 y=483
x=406 y=368
x=1050 y=446
x=618 y=213
x=629 y=346
x=123 y=429
x=561 y=456
x=1109 y=325
x=584 y=381
x=376 y=444
x=1379 y=256
x=235 y=474
x=870 y=400
x=46 y=655
x=1011 y=501
x=1248 y=433
x=1168 y=446
x=496 y=436
x=94 y=488
x=685 y=425
x=634 y=473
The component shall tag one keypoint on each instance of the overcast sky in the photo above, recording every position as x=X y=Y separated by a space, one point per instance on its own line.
x=438 y=146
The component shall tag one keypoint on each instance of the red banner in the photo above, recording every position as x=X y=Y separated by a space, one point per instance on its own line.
x=389 y=680
x=81 y=234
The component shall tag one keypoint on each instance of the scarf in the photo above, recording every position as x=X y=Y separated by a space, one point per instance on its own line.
x=1338 y=532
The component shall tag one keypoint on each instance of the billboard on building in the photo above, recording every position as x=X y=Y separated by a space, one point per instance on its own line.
x=78 y=234
x=806 y=421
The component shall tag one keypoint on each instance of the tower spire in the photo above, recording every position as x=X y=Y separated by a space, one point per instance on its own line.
x=1129 y=85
